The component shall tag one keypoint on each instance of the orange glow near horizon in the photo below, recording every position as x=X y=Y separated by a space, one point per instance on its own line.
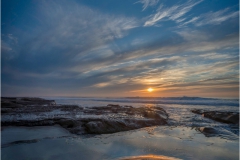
x=149 y=89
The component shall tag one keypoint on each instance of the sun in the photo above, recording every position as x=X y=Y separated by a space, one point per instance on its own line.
x=150 y=89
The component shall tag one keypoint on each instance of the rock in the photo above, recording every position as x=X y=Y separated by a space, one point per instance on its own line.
x=217 y=132
x=207 y=130
x=101 y=127
x=113 y=105
x=19 y=142
x=233 y=118
x=94 y=120
x=220 y=116
x=66 y=123
x=18 y=102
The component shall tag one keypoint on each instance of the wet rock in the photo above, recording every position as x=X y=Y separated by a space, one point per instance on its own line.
x=26 y=101
x=93 y=120
x=234 y=118
x=19 y=142
x=220 y=116
x=207 y=130
x=113 y=105
x=217 y=132
x=30 y=105
x=66 y=123
x=105 y=126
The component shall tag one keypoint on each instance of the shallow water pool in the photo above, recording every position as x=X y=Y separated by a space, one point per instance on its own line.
x=54 y=142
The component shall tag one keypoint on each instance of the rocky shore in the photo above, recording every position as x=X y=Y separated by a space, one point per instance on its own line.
x=100 y=119
x=225 y=117
x=78 y=120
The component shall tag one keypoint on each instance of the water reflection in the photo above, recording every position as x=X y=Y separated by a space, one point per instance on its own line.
x=149 y=157
x=179 y=142
x=183 y=142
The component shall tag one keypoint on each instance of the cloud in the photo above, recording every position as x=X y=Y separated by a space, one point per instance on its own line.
x=101 y=85
x=183 y=9
x=177 y=70
x=12 y=38
x=147 y=3
x=214 y=55
x=9 y=44
x=193 y=35
x=194 y=19
x=215 y=18
x=191 y=44
x=212 y=74
x=72 y=20
x=174 y=13
x=5 y=47
x=75 y=49
x=130 y=60
x=122 y=73
x=67 y=30
x=212 y=18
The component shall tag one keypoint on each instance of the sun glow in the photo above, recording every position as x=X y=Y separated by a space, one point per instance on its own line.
x=149 y=89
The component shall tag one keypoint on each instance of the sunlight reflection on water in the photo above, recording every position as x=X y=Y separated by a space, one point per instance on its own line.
x=179 y=142
x=181 y=138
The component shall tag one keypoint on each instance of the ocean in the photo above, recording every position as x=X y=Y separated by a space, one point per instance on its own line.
x=180 y=138
x=178 y=108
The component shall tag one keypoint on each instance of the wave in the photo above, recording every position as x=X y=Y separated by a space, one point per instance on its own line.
x=167 y=100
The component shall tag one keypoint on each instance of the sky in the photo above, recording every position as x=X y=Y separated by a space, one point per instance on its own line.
x=120 y=48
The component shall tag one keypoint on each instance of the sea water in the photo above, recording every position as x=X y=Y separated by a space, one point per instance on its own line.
x=179 y=139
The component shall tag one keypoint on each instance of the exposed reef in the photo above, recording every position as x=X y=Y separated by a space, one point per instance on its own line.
x=224 y=117
x=217 y=132
x=78 y=120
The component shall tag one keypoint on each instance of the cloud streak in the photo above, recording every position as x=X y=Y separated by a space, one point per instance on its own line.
x=73 y=49
x=147 y=3
x=211 y=18
x=215 y=18
x=65 y=34
x=173 y=13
